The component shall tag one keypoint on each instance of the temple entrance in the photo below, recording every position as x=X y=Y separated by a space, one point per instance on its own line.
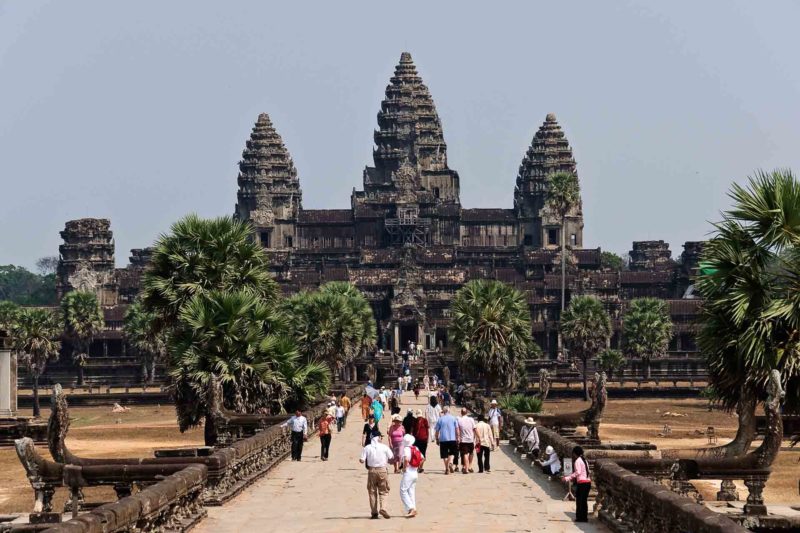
x=408 y=333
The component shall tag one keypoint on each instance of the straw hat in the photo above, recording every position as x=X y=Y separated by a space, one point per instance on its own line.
x=530 y=421
x=397 y=418
x=549 y=450
x=494 y=402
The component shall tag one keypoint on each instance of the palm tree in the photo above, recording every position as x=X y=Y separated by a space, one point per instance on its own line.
x=586 y=328
x=200 y=255
x=647 y=330
x=610 y=361
x=9 y=311
x=232 y=335
x=563 y=195
x=491 y=329
x=749 y=277
x=83 y=319
x=151 y=345
x=333 y=325
x=35 y=338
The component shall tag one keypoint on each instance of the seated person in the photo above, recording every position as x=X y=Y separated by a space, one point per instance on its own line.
x=552 y=465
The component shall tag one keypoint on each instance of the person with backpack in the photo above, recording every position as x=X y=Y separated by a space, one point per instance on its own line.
x=580 y=474
x=412 y=462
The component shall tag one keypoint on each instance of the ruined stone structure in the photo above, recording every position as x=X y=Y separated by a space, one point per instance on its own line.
x=86 y=261
x=408 y=243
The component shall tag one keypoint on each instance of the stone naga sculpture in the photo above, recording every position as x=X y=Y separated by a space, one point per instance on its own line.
x=544 y=383
x=590 y=417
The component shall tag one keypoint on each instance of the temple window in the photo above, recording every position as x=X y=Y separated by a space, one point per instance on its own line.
x=288 y=241
x=528 y=240
x=552 y=237
x=266 y=238
x=573 y=239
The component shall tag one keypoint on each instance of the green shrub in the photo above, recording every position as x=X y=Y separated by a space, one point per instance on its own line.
x=520 y=403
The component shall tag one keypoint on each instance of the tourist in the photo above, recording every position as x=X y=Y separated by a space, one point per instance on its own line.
x=340 y=414
x=324 y=427
x=396 y=434
x=344 y=401
x=377 y=409
x=376 y=456
x=484 y=444
x=408 y=422
x=466 y=445
x=552 y=465
x=366 y=403
x=298 y=425
x=370 y=430
x=416 y=389
x=394 y=404
x=447 y=438
x=421 y=433
x=460 y=394
x=426 y=383
x=400 y=383
x=531 y=442
x=580 y=473
x=413 y=459
x=495 y=417
x=432 y=413
x=446 y=400
x=435 y=382
x=408 y=381
x=331 y=409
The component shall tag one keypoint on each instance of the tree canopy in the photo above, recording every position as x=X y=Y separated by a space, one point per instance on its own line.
x=647 y=329
x=586 y=328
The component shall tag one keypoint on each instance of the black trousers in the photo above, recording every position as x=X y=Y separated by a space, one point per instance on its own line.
x=297 y=445
x=339 y=424
x=483 y=458
x=422 y=446
x=456 y=455
x=325 y=441
x=581 y=502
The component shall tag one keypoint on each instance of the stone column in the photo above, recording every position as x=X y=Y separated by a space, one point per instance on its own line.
x=8 y=380
x=396 y=340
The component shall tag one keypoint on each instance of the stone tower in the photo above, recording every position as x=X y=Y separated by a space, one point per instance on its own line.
x=86 y=261
x=650 y=255
x=410 y=154
x=549 y=153
x=269 y=194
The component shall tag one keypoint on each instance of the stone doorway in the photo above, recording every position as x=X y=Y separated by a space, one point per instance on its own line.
x=408 y=333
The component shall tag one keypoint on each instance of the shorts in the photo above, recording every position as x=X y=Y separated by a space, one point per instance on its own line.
x=496 y=431
x=447 y=448
x=466 y=448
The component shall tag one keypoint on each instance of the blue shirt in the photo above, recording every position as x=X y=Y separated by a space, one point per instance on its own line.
x=446 y=428
x=377 y=409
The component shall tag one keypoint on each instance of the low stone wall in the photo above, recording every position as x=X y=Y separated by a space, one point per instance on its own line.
x=174 y=504
x=628 y=502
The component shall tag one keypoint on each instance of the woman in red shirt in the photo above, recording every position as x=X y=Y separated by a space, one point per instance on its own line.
x=421 y=433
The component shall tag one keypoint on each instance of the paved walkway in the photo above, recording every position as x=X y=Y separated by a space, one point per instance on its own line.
x=319 y=497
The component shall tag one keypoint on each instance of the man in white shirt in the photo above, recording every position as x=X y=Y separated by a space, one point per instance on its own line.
x=466 y=446
x=340 y=414
x=298 y=425
x=495 y=417
x=376 y=455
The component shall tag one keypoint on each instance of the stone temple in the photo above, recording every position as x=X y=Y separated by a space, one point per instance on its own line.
x=406 y=241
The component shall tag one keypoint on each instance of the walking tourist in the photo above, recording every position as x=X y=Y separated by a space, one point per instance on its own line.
x=447 y=438
x=344 y=401
x=394 y=404
x=466 y=446
x=377 y=409
x=484 y=444
x=298 y=425
x=376 y=457
x=552 y=465
x=325 y=436
x=421 y=433
x=370 y=430
x=495 y=417
x=460 y=394
x=580 y=473
x=366 y=403
x=416 y=389
x=413 y=459
x=400 y=382
x=432 y=413
x=396 y=434
x=409 y=422
x=340 y=415
x=530 y=444
x=426 y=382
x=331 y=409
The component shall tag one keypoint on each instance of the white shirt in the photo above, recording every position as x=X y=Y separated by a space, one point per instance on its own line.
x=376 y=455
x=494 y=416
x=532 y=439
x=467 y=425
x=340 y=412
x=407 y=456
x=297 y=424
x=553 y=463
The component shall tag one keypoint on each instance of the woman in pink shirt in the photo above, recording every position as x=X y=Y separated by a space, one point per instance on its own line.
x=396 y=434
x=580 y=473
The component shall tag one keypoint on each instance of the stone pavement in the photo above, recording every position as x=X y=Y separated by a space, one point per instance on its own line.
x=319 y=497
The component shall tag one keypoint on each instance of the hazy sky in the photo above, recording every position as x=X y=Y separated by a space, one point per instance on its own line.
x=138 y=111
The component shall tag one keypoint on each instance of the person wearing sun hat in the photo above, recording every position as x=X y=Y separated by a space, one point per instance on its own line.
x=531 y=442
x=421 y=433
x=396 y=434
x=552 y=465
x=495 y=417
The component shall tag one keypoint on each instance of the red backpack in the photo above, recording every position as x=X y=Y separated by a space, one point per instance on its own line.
x=416 y=457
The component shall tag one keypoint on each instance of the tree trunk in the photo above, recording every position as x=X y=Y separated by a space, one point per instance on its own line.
x=647 y=369
x=80 y=374
x=36 y=409
x=152 y=371
x=563 y=263
x=585 y=387
x=144 y=372
x=210 y=431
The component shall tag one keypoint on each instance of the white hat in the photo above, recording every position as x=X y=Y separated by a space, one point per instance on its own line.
x=530 y=421
x=494 y=402
x=549 y=450
x=397 y=418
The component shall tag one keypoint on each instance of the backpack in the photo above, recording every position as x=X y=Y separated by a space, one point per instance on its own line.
x=416 y=457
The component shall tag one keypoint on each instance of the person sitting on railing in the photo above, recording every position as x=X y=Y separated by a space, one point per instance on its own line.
x=530 y=444
x=552 y=465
